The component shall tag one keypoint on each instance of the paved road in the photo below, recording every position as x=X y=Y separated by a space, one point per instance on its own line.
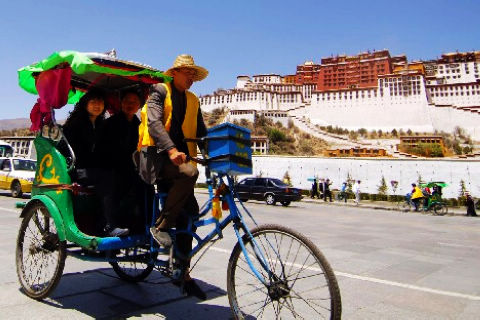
x=390 y=265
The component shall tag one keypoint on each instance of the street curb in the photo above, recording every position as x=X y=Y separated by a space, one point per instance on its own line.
x=365 y=204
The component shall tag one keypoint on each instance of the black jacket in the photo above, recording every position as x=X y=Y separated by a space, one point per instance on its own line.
x=166 y=140
x=83 y=137
x=118 y=142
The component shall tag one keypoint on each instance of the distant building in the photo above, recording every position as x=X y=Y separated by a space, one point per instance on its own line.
x=409 y=142
x=307 y=73
x=370 y=90
x=260 y=144
x=349 y=72
x=23 y=146
x=357 y=152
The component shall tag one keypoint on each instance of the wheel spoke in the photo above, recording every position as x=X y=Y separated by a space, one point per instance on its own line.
x=307 y=285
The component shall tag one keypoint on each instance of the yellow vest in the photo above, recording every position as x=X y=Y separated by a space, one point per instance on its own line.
x=189 y=126
x=417 y=194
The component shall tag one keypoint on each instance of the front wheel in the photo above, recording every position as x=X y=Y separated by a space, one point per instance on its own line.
x=137 y=264
x=40 y=255
x=270 y=199
x=16 y=189
x=440 y=209
x=301 y=284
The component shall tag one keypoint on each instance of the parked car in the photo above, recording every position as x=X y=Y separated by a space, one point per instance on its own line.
x=269 y=189
x=16 y=175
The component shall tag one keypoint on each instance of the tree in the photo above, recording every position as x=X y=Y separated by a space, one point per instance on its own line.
x=349 y=182
x=362 y=132
x=275 y=135
x=383 y=187
x=394 y=133
x=463 y=188
x=420 y=179
x=286 y=178
x=456 y=147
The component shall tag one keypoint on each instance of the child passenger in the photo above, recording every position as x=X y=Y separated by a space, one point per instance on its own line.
x=117 y=145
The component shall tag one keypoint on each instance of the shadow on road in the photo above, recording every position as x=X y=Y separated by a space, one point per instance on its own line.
x=102 y=295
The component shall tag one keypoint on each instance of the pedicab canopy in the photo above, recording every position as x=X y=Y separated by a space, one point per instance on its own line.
x=65 y=76
x=433 y=184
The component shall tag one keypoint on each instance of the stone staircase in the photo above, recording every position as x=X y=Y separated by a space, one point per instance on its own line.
x=339 y=141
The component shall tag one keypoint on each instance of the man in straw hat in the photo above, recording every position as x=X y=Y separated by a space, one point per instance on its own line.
x=172 y=113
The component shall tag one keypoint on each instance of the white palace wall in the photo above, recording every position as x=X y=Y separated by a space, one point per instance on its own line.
x=370 y=172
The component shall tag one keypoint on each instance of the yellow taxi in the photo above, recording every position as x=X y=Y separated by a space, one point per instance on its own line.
x=17 y=175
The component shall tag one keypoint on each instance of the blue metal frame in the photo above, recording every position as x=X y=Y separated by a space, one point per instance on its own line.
x=201 y=220
x=234 y=216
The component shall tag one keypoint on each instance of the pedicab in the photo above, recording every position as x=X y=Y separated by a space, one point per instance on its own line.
x=433 y=200
x=273 y=271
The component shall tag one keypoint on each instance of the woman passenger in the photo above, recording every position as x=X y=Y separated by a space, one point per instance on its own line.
x=83 y=130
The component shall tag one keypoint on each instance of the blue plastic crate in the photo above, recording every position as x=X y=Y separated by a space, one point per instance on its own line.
x=230 y=148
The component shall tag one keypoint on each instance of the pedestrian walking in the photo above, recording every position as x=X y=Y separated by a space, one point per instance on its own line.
x=470 y=206
x=321 y=187
x=343 y=192
x=314 y=191
x=356 y=190
x=326 y=190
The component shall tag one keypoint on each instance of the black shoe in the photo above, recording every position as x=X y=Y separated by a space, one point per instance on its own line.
x=191 y=288
x=162 y=237
x=116 y=232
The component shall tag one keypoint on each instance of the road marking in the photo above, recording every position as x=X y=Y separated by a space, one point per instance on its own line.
x=455 y=245
x=10 y=210
x=385 y=282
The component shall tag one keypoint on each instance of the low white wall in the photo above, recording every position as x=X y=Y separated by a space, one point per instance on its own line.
x=370 y=172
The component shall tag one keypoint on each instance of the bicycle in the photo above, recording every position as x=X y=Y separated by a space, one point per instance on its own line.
x=273 y=271
x=342 y=196
x=439 y=208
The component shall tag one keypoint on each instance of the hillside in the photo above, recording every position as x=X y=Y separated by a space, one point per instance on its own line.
x=9 y=124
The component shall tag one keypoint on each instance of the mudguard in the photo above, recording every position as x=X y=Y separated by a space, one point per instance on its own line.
x=52 y=209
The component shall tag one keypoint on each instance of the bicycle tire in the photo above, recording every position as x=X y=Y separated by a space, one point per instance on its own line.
x=440 y=209
x=283 y=306
x=38 y=245
x=133 y=271
x=406 y=207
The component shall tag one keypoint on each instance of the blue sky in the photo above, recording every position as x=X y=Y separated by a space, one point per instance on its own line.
x=228 y=38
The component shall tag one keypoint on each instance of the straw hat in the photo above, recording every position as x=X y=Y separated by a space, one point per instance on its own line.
x=186 y=61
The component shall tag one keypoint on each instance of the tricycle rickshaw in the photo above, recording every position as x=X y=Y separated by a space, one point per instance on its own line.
x=432 y=192
x=273 y=271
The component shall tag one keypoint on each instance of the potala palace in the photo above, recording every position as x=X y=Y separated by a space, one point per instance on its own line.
x=371 y=90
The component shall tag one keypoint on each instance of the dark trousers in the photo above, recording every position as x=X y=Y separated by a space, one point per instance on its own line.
x=181 y=180
x=328 y=194
x=180 y=205
x=103 y=181
x=416 y=203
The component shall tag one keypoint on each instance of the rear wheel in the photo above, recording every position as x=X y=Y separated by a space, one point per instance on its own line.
x=270 y=199
x=440 y=209
x=40 y=255
x=139 y=266
x=16 y=189
x=285 y=203
x=301 y=285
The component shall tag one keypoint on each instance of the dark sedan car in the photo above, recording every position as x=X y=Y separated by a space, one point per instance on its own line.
x=269 y=189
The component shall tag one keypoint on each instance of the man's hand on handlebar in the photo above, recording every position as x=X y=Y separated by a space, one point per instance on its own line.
x=177 y=157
